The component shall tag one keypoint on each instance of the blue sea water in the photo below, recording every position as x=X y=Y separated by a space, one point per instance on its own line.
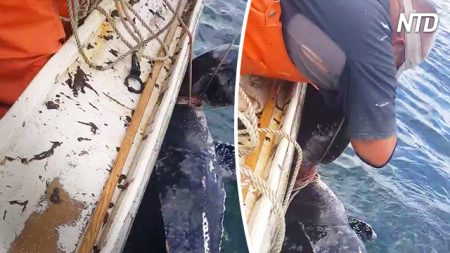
x=220 y=23
x=408 y=201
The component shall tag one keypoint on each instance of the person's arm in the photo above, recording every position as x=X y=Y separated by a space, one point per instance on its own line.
x=368 y=88
x=377 y=153
x=370 y=111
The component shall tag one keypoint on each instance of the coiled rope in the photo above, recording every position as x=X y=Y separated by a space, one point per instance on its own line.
x=248 y=141
x=123 y=9
x=79 y=9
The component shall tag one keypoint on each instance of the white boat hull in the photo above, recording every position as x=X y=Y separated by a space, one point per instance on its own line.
x=62 y=136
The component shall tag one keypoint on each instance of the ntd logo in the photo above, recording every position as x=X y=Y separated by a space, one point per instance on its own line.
x=428 y=18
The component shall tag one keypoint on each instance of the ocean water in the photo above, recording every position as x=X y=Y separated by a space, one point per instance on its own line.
x=408 y=201
x=220 y=23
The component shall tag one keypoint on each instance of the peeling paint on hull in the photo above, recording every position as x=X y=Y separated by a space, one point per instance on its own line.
x=59 y=140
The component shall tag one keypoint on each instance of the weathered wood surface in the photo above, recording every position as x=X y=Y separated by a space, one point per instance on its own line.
x=60 y=140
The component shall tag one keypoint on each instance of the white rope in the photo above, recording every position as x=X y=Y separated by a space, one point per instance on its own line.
x=249 y=136
x=77 y=11
x=123 y=9
x=249 y=119
x=262 y=186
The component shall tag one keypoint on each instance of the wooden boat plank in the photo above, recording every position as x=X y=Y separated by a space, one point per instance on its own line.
x=277 y=121
x=260 y=235
x=70 y=147
x=114 y=237
x=264 y=120
x=266 y=152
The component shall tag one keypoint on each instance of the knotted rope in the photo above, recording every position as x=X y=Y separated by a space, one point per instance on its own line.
x=248 y=139
x=79 y=9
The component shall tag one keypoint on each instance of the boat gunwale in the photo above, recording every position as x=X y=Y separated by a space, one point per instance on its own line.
x=114 y=239
x=263 y=221
x=37 y=91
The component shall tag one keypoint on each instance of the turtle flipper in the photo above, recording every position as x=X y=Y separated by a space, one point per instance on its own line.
x=362 y=229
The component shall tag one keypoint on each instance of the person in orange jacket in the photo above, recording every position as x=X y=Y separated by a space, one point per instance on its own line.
x=30 y=33
x=351 y=50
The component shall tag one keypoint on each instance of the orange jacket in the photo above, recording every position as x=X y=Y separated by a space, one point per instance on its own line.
x=264 y=51
x=30 y=33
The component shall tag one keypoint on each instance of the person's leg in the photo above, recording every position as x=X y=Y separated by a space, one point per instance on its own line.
x=312 y=51
x=30 y=33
